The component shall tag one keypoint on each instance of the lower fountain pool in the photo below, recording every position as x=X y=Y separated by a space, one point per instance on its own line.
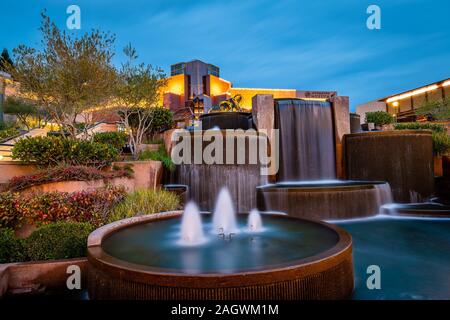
x=284 y=240
x=425 y=209
x=413 y=255
x=284 y=258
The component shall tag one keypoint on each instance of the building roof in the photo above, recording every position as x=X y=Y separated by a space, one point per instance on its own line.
x=421 y=89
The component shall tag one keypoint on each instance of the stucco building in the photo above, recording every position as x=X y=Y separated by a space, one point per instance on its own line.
x=404 y=104
x=197 y=86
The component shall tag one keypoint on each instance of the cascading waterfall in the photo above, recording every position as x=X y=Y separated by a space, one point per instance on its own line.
x=384 y=194
x=306 y=140
x=307 y=157
x=206 y=180
x=389 y=209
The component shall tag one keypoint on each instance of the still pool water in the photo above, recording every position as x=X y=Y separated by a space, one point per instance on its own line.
x=283 y=241
x=412 y=253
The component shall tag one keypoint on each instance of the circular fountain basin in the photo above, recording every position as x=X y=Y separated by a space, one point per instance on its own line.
x=324 y=199
x=142 y=258
x=427 y=209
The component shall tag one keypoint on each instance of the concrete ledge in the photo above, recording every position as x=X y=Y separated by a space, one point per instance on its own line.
x=11 y=169
x=147 y=174
x=25 y=277
x=74 y=186
x=4 y=278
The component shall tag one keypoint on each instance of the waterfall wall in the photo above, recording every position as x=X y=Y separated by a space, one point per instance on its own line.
x=306 y=140
x=241 y=176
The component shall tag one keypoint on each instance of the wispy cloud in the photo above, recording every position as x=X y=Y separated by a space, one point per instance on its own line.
x=322 y=45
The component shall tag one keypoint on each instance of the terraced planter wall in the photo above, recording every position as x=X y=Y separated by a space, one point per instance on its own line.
x=74 y=186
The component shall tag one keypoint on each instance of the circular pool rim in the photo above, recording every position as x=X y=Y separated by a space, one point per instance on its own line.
x=390 y=133
x=309 y=277
x=224 y=113
x=339 y=185
x=425 y=209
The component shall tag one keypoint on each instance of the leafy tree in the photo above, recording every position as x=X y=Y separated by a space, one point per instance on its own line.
x=160 y=119
x=5 y=60
x=137 y=94
x=24 y=109
x=67 y=75
x=437 y=110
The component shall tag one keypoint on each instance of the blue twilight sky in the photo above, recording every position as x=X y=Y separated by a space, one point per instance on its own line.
x=302 y=44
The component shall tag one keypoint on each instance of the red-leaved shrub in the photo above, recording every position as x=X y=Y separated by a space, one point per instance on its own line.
x=42 y=208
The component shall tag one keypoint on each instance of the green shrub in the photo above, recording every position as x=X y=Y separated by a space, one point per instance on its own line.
x=159 y=155
x=379 y=118
x=435 y=127
x=53 y=151
x=60 y=240
x=62 y=173
x=441 y=139
x=441 y=143
x=6 y=125
x=8 y=133
x=3 y=125
x=115 y=139
x=11 y=248
x=145 y=201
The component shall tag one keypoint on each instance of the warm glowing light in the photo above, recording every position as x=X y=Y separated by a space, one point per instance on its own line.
x=176 y=86
x=412 y=93
x=446 y=83
x=395 y=104
x=262 y=89
x=315 y=99
x=218 y=86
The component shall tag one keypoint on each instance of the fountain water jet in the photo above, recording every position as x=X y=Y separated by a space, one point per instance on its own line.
x=224 y=217
x=191 y=226
x=254 y=221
